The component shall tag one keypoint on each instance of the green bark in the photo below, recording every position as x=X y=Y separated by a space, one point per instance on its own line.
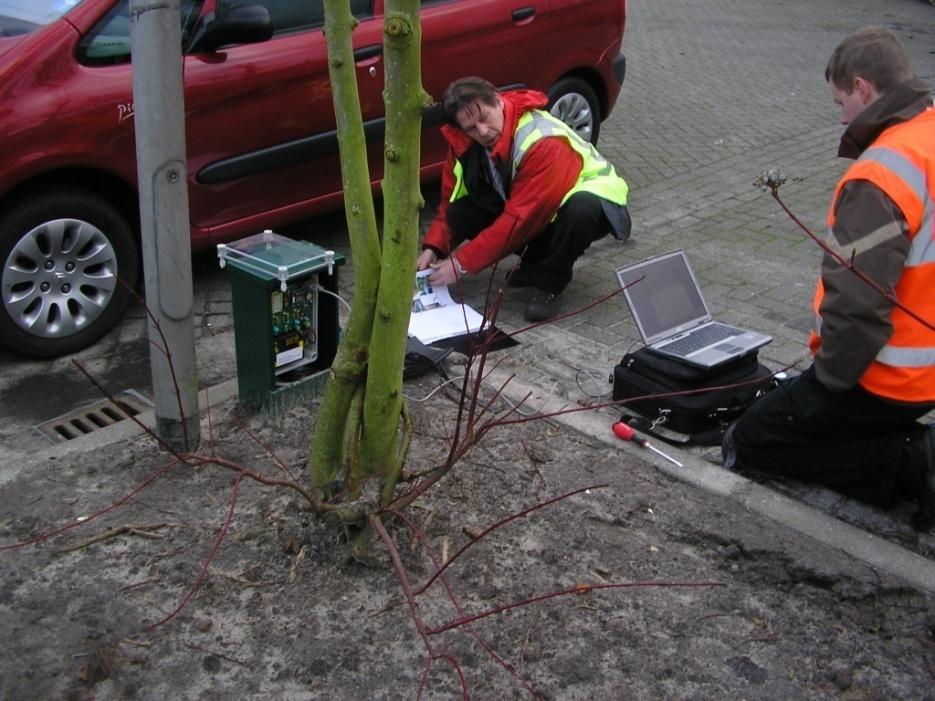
x=369 y=435
x=326 y=454
x=403 y=99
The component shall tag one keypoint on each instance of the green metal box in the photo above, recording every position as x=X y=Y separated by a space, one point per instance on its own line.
x=285 y=310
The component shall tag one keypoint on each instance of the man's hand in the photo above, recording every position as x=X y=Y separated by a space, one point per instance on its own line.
x=444 y=274
x=426 y=258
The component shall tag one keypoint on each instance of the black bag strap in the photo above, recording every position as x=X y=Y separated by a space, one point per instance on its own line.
x=707 y=438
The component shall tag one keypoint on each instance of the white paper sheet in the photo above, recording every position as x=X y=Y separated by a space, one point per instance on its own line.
x=435 y=315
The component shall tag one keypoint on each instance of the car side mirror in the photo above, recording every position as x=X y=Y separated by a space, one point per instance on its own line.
x=244 y=24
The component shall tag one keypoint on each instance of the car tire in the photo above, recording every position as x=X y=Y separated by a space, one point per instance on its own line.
x=574 y=102
x=70 y=260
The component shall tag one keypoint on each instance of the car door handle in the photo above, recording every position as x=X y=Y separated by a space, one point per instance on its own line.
x=367 y=52
x=523 y=13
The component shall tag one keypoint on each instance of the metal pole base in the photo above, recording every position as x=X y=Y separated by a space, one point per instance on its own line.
x=173 y=432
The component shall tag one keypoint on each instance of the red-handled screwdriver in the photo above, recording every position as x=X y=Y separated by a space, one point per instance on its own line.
x=625 y=432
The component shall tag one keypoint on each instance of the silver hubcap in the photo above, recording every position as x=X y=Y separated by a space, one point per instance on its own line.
x=59 y=278
x=575 y=111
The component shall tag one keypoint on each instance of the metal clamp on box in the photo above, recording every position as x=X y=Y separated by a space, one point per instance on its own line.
x=286 y=331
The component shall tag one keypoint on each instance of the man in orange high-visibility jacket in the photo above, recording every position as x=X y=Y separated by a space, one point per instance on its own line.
x=851 y=420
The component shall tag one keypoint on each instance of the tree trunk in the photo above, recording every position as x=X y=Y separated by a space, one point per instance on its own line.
x=404 y=99
x=363 y=427
x=327 y=452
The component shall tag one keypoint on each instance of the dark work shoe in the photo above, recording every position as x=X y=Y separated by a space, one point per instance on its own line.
x=924 y=518
x=543 y=305
x=521 y=277
x=930 y=445
x=728 y=449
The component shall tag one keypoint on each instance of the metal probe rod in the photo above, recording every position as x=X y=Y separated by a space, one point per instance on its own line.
x=659 y=452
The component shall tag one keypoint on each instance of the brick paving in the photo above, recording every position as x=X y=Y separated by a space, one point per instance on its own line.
x=715 y=94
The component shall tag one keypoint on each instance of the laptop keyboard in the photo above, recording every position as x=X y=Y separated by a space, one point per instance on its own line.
x=700 y=338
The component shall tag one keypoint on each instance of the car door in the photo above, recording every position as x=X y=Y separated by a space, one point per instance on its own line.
x=260 y=119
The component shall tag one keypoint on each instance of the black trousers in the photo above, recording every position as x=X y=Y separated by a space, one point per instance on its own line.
x=854 y=442
x=551 y=255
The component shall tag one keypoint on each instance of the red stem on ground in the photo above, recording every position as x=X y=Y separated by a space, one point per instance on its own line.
x=378 y=526
x=269 y=450
x=450 y=659
x=211 y=555
x=97 y=514
x=498 y=524
x=262 y=479
x=577 y=590
x=420 y=536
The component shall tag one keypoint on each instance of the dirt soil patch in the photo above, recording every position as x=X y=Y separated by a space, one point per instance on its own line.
x=731 y=606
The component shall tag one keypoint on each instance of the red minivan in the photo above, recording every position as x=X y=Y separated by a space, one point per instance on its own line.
x=260 y=127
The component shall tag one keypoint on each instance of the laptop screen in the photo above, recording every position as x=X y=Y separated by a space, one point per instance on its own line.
x=667 y=300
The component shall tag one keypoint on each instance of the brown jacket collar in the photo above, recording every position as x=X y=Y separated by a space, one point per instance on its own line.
x=900 y=104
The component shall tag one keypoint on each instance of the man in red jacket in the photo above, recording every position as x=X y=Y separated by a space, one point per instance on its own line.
x=518 y=180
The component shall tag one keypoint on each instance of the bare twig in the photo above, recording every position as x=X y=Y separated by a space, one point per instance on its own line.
x=145 y=531
x=316 y=503
x=774 y=186
x=378 y=526
x=576 y=590
x=460 y=610
x=528 y=637
x=75 y=524
x=498 y=524
x=269 y=450
x=422 y=530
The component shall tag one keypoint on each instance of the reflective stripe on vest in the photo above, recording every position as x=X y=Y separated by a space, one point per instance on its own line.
x=460 y=188
x=597 y=174
x=901 y=162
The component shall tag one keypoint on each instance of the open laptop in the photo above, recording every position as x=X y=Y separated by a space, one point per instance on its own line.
x=672 y=316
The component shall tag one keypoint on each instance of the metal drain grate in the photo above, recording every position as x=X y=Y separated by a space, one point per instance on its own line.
x=93 y=417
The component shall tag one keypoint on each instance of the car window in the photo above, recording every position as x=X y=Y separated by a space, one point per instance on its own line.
x=108 y=41
x=294 y=15
x=23 y=16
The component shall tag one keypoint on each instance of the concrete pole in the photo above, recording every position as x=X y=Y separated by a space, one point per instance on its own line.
x=160 y=152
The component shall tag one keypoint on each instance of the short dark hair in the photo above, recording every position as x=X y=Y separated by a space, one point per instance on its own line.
x=873 y=53
x=465 y=92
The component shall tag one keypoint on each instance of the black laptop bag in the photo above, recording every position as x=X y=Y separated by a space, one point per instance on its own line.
x=679 y=397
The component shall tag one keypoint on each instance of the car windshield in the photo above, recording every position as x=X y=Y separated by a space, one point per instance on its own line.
x=23 y=16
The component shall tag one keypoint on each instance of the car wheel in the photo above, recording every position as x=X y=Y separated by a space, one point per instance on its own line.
x=574 y=102
x=64 y=254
